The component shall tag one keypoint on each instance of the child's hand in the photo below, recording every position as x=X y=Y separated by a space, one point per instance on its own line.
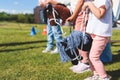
x=86 y=5
x=70 y=19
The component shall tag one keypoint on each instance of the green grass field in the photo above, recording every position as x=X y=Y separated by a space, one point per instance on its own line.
x=21 y=56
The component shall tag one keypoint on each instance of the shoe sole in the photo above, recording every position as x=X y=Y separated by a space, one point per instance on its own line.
x=82 y=71
x=46 y=51
x=53 y=53
x=73 y=67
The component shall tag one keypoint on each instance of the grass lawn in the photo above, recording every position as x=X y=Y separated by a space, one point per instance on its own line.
x=21 y=56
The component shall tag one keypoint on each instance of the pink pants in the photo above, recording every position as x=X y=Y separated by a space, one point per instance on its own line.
x=98 y=46
x=80 y=23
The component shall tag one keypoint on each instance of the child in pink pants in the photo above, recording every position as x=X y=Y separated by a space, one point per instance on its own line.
x=100 y=28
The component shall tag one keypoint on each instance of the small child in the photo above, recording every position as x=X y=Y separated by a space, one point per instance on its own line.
x=100 y=28
x=53 y=32
x=79 y=25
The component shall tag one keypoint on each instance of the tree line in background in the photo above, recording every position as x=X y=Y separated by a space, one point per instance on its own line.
x=22 y=18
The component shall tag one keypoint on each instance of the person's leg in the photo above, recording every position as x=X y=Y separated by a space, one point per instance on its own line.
x=57 y=32
x=50 y=39
x=82 y=66
x=84 y=54
x=80 y=26
x=96 y=64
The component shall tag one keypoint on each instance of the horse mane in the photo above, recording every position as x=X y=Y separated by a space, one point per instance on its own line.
x=61 y=4
x=61 y=9
x=63 y=12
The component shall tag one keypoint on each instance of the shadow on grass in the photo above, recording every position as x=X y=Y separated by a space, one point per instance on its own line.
x=115 y=74
x=8 y=50
x=22 y=43
x=116 y=58
x=4 y=45
x=116 y=45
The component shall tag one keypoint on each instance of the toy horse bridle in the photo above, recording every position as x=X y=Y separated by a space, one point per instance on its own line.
x=51 y=10
x=54 y=16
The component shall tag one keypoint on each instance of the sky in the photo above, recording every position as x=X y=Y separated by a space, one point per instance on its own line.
x=18 y=6
x=27 y=6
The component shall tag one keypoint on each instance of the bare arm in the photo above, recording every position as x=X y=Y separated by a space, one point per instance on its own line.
x=76 y=11
x=98 y=12
x=78 y=8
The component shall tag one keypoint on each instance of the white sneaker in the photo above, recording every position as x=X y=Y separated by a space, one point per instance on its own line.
x=47 y=50
x=107 y=78
x=93 y=77
x=81 y=68
x=75 y=66
x=97 y=77
x=54 y=51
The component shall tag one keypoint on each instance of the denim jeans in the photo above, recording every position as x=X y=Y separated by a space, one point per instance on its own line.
x=54 y=33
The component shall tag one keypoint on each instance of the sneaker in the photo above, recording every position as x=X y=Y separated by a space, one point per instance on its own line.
x=107 y=78
x=75 y=66
x=93 y=77
x=47 y=50
x=97 y=77
x=82 y=68
x=54 y=51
